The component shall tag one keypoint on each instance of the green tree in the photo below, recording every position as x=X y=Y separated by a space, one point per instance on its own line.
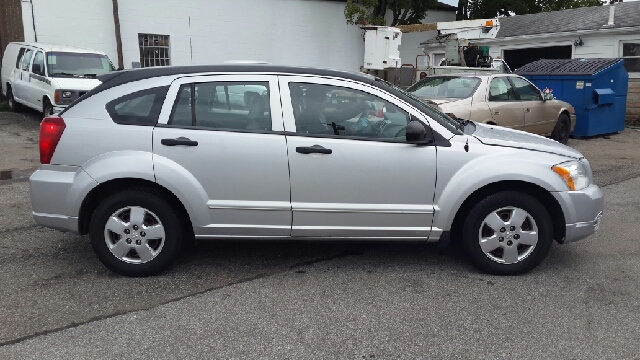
x=372 y=12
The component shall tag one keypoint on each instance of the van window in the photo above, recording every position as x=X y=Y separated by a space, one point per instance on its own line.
x=19 y=58
x=139 y=108
x=66 y=64
x=38 y=60
x=26 y=60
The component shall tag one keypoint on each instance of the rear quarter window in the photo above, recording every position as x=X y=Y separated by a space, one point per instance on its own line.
x=138 y=108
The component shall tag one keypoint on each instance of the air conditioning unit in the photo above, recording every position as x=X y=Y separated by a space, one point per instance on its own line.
x=381 y=47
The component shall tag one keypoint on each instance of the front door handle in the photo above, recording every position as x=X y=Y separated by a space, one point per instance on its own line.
x=527 y=110
x=179 y=141
x=317 y=149
x=496 y=113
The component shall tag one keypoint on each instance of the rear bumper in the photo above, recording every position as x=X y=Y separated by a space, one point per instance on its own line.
x=56 y=195
x=582 y=210
x=573 y=121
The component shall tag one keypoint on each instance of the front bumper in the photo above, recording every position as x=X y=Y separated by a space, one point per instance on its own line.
x=58 y=108
x=582 y=210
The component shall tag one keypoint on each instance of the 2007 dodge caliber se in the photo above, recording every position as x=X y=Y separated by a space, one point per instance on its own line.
x=152 y=158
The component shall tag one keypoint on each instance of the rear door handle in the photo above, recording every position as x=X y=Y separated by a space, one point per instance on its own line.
x=317 y=149
x=527 y=110
x=178 y=141
x=496 y=113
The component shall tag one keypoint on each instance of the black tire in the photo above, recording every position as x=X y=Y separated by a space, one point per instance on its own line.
x=173 y=242
x=562 y=129
x=487 y=205
x=13 y=104
x=47 y=108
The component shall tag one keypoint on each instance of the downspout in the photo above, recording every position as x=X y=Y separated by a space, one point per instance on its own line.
x=33 y=22
x=116 y=22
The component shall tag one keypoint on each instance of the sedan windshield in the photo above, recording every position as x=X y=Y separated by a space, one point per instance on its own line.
x=445 y=87
x=66 y=64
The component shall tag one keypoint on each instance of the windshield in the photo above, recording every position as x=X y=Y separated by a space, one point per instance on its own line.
x=66 y=64
x=429 y=109
x=445 y=87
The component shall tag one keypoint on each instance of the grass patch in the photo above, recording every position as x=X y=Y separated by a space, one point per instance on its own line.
x=4 y=106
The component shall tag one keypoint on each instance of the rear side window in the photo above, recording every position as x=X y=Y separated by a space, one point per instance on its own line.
x=138 y=108
x=19 y=58
x=26 y=60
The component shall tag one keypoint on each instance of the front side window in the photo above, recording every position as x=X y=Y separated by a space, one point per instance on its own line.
x=139 y=108
x=526 y=90
x=631 y=54
x=333 y=110
x=500 y=90
x=38 y=64
x=445 y=87
x=66 y=64
x=26 y=60
x=223 y=105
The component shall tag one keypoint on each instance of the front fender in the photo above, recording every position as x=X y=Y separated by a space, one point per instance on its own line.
x=502 y=164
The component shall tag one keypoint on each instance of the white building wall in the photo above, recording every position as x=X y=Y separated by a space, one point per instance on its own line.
x=81 y=23
x=286 y=32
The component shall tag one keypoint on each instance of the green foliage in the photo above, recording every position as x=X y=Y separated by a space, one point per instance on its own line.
x=4 y=106
x=372 y=12
x=481 y=9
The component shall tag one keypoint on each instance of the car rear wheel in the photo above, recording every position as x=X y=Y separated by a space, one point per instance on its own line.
x=562 y=130
x=13 y=105
x=507 y=233
x=136 y=233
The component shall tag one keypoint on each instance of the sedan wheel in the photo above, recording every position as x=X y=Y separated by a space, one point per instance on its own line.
x=562 y=129
x=507 y=233
x=136 y=232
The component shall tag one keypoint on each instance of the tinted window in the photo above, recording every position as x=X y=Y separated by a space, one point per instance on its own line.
x=526 y=90
x=445 y=87
x=19 y=58
x=631 y=54
x=332 y=110
x=139 y=108
x=500 y=90
x=38 y=60
x=223 y=105
x=26 y=59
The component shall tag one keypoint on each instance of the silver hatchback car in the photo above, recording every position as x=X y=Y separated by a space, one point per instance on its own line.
x=153 y=158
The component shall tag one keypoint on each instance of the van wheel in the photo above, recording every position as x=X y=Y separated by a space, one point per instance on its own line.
x=13 y=105
x=136 y=233
x=507 y=233
x=563 y=128
x=47 y=108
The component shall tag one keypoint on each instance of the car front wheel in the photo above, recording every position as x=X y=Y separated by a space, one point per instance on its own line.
x=136 y=233
x=507 y=233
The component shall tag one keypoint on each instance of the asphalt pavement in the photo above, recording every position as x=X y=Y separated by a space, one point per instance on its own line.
x=362 y=300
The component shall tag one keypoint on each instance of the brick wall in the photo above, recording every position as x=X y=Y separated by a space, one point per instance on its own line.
x=633 y=102
x=11 y=28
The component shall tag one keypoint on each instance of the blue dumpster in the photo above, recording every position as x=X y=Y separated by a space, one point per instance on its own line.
x=597 y=89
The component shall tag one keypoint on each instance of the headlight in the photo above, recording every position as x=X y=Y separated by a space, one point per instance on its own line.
x=66 y=94
x=576 y=174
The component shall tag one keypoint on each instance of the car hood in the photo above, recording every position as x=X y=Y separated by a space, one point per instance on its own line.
x=76 y=83
x=500 y=136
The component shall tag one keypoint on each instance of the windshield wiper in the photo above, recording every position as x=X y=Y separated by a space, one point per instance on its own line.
x=64 y=73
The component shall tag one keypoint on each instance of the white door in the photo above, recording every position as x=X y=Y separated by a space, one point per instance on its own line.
x=353 y=175
x=225 y=132
x=21 y=78
x=37 y=83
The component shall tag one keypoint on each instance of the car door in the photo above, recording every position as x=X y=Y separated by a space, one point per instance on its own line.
x=37 y=84
x=506 y=109
x=21 y=78
x=233 y=154
x=538 y=118
x=353 y=175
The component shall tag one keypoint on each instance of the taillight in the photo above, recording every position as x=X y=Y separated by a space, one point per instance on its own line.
x=51 y=129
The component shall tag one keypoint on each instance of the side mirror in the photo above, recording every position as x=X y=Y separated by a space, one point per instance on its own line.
x=37 y=69
x=548 y=97
x=417 y=133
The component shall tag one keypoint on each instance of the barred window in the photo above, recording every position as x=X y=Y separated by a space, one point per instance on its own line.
x=154 y=50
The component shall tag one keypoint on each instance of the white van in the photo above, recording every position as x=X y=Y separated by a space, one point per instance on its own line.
x=47 y=77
